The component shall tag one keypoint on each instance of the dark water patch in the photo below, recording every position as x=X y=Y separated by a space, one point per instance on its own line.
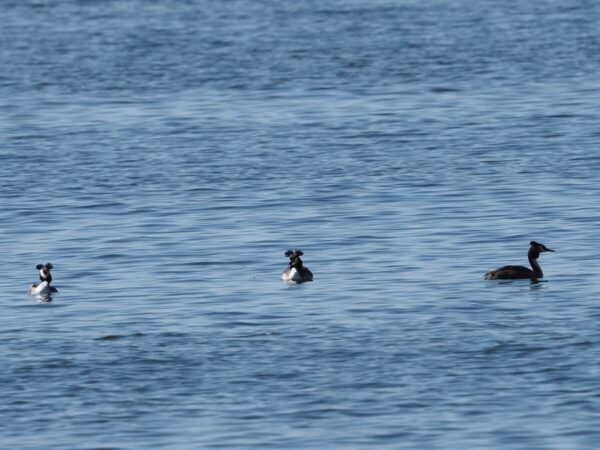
x=58 y=364
x=102 y=205
x=514 y=349
x=110 y=256
x=116 y=337
x=172 y=334
x=443 y=90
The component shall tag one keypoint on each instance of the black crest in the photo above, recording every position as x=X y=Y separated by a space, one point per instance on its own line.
x=294 y=253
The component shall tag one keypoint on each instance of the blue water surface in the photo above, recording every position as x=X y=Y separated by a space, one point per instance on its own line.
x=164 y=155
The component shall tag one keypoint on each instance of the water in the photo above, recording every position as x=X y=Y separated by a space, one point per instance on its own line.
x=164 y=156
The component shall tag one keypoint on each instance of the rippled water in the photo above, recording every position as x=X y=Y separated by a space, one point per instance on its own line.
x=164 y=156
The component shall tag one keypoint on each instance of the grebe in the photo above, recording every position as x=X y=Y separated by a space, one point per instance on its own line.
x=515 y=272
x=296 y=273
x=44 y=287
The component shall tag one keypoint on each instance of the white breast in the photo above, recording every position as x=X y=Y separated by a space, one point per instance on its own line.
x=291 y=276
x=41 y=289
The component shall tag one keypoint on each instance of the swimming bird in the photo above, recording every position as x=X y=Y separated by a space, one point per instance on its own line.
x=516 y=272
x=45 y=275
x=295 y=272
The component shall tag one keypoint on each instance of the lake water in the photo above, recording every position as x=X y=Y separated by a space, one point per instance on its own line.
x=164 y=155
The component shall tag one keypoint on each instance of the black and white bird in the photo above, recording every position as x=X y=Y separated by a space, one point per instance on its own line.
x=43 y=288
x=296 y=272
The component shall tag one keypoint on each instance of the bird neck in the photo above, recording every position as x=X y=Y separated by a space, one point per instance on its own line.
x=533 y=257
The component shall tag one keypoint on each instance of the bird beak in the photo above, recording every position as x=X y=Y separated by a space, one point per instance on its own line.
x=550 y=250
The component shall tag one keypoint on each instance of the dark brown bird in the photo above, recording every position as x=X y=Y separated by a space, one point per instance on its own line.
x=517 y=272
